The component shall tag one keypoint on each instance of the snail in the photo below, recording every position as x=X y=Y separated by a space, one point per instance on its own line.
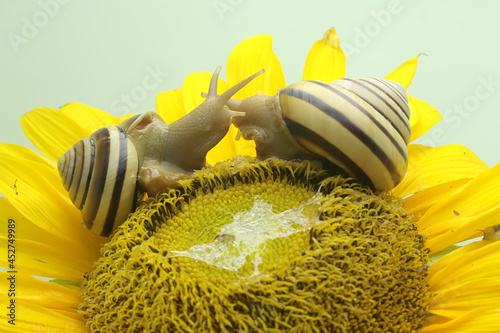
x=103 y=173
x=359 y=125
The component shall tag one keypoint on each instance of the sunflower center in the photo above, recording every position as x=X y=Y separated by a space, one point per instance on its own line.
x=242 y=241
x=261 y=246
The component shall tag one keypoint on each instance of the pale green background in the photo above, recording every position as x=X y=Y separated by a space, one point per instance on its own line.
x=94 y=52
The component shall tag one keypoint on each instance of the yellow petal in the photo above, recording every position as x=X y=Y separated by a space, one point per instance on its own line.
x=41 y=307
x=39 y=252
x=170 y=106
x=478 y=260
x=19 y=158
x=423 y=117
x=474 y=207
x=35 y=190
x=466 y=286
x=32 y=290
x=52 y=132
x=426 y=165
x=55 y=131
x=473 y=321
x=464 y=296
x=28 y=231
x=325 y=60
x=405 y=72
x=42 y=259
x=417 y=204
x=88 y=117
x=250 y=56
x=448 y=232
x=38 y=319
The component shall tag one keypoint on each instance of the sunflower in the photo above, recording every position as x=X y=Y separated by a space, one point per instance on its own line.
x=385 y=262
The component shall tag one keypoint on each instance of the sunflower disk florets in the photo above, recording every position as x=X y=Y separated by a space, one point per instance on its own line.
x=270 y=246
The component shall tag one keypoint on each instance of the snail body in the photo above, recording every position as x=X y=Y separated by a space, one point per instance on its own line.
x=361 y=126
x=104 y=173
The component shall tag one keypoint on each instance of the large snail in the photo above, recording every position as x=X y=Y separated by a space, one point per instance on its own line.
x=103 y=173
x=361 y=126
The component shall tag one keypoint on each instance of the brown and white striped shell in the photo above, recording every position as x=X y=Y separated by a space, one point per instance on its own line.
x=360 y=125
x=100 y=173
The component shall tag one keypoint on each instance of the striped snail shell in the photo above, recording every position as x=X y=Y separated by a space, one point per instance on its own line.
x=104 y=189
x=359 y=125
x=104 y=173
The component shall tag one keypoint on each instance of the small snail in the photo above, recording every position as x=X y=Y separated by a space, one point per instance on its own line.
x=359 y=125
x=104 y=172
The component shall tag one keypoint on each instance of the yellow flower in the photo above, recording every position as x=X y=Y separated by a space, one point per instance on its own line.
x=449 y=192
